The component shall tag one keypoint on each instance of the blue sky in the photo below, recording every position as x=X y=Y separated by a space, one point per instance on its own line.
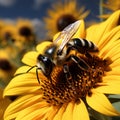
x=35 y=10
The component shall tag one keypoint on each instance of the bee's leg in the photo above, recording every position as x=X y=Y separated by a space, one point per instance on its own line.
x=88 y=55
x=48 y=76
x=67 y=72
x=37 y=75
x=81 y=63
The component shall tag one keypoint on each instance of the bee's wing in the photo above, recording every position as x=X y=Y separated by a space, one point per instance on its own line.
x=67 y=34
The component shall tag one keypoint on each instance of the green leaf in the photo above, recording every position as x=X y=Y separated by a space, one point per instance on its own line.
x=94 y=115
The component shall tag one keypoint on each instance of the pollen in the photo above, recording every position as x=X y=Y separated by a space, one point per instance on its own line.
x=61 y=89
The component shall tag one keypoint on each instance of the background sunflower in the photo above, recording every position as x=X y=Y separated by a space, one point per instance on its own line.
x=4 y=102
x=63 y=14
x=67 y=99
x=17 y=36
x=7 y=32
x=108 y=7
x=25 y=30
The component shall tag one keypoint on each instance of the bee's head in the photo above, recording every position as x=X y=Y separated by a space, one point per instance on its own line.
x=45 y=64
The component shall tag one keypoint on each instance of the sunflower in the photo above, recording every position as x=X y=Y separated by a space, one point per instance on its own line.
x=59 y=98
x=7 y=68
x=2 y=24
x=25 y=30
x=111 y=6
x=63 y=14
x=4 y=102
x=8 y=31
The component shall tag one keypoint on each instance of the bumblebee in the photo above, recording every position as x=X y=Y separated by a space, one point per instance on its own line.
x=55 y=54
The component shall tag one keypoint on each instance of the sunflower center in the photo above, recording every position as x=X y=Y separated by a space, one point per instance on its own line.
x=63 y=90
x=5 y=65
x=25 y=31
x=7 y=36
x=64 y=21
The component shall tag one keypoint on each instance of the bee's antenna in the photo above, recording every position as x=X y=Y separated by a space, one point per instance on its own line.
x=31 y=68
x=36 y=72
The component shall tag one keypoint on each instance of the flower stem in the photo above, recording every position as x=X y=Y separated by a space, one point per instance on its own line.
x=101 y=9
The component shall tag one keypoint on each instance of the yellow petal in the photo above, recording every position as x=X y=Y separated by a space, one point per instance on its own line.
x=85 y=14
x=81 y=31
x=68 y=114
x=111 y=79
x=114 y=71
x=30 y=58
x=80 y=112
x=116 y=60
x=111 y=47
x=42 y=46
x=104 y=16
x=109 y=88
x=28 y=70
x=20 y=91
x=4 y=102
x=22 y=70
x=21 y=84
x=56 y=36
x=59 y=114
x=34 y=112
x=89 y=33
x=10 y=117
x=109 y=38
x=113 y=20
x=100 y=103
x=103 y=27
x=111 y=52
x=115 y=57
x=106 y=49
x=23 y=102
x=51 y=114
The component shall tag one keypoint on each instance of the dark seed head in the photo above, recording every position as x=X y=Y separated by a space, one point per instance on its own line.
x=25 y=31
x=64 y=21
x=5 y=65
x=7 y=36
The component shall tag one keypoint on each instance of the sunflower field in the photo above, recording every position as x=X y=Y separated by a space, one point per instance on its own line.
x=60 y=60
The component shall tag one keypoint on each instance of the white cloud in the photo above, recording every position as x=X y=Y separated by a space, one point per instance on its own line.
x=38 y=3
x=10 y=21
x=38 y=26
x=39 y=29
x=7 y=3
